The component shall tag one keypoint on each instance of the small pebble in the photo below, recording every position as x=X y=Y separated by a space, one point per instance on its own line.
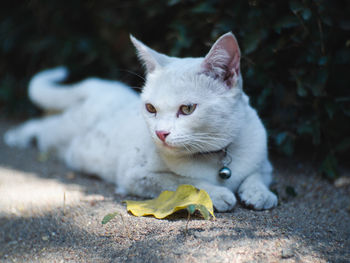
x=342 y=181
x=287 y=253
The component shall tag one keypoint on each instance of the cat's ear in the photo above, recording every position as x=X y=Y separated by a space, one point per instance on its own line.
x=151 y=58
x=223 y=60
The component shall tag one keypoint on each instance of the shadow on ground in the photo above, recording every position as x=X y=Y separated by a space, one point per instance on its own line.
x=49 y=214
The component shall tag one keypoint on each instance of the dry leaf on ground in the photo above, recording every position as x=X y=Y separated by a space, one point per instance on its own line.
x=168 y=202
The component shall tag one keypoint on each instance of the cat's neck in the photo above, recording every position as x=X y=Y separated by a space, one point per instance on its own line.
x=217 y=156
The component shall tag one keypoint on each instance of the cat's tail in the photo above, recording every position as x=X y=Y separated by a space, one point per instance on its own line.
x=47 y=93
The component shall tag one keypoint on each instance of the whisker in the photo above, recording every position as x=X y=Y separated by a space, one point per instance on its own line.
x=201 y=142
x=202 y=139
x=132 y=73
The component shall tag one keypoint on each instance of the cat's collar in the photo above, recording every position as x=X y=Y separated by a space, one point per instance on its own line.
x=222 y=151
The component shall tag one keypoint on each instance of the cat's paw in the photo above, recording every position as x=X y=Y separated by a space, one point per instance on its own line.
x=223 y=199
x=15 y=138
x=257 y=197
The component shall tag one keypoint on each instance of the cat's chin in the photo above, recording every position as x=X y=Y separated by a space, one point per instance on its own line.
x=167 y=147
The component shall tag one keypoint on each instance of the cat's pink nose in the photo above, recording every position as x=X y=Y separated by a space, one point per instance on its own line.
x=162 y=135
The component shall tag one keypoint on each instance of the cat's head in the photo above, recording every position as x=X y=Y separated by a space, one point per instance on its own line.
x=193 y=105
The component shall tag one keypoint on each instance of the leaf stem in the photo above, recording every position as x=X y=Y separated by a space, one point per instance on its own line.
x=188 y=219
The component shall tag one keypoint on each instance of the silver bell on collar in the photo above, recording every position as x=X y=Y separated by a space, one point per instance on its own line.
x=225 y=173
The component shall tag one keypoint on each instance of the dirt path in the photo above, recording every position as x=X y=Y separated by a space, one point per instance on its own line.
x=49 y=214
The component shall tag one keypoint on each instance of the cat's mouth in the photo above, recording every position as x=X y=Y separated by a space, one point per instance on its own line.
x=171 y=148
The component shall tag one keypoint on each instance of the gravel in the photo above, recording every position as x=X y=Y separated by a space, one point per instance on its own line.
x=50 y=214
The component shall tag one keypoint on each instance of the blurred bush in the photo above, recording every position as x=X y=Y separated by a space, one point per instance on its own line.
x=296 y=56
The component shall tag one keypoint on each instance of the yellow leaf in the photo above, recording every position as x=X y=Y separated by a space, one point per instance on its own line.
x=168 y=202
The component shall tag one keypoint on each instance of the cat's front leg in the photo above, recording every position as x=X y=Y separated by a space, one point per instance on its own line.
x=254 y=193
x=223 y=198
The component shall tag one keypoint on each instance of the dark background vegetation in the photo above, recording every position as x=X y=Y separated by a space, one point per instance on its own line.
x=296 y=57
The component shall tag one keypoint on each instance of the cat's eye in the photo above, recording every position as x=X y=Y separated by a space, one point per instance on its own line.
x=150 y=108
x=187 y=109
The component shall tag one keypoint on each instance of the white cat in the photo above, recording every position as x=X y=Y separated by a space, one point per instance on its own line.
x=192 y=125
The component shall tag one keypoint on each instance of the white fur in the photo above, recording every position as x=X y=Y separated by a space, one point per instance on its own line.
x=105 y=129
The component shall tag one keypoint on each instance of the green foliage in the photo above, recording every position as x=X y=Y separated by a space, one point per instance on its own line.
x=201 y=208
x=109 y=217
x=295 y=62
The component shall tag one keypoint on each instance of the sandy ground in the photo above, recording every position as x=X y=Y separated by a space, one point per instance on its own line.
x=49 y=214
